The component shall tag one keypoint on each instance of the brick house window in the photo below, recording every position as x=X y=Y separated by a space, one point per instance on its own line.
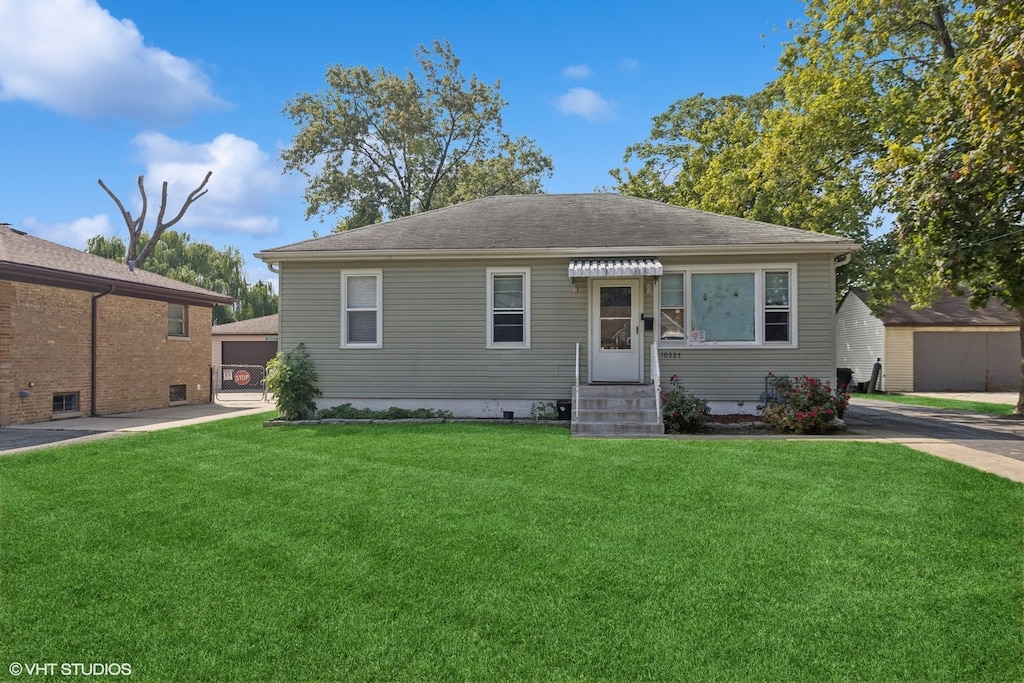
x=178 y=394
x=177 y=320
x=65 y=403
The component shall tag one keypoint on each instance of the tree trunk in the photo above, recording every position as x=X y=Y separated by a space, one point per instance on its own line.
x=1019 y=408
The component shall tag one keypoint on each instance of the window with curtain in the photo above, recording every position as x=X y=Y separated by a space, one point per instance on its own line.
x=361 y=324
x=177 y=320
x=742 y=307
x=508 y=308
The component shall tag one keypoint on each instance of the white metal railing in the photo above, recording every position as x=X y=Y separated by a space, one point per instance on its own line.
x=656 y=376
x=577 y=363
x=576 y=388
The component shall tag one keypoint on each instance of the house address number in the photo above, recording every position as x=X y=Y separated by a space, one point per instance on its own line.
x=670 y=355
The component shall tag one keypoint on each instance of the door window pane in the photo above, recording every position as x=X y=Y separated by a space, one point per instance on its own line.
x=616 y=317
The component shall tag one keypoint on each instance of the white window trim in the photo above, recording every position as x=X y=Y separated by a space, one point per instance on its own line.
x=525 y=272
x=345 y=275
x=759 y=271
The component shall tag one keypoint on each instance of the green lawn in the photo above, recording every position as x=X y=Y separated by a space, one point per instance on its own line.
x=933 y=402
x=492 y=553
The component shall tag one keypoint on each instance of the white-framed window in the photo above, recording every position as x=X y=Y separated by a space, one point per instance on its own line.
x=508 y=308
x=361 y=309
x=177 y=320
x=728 y=306
x=777 y=298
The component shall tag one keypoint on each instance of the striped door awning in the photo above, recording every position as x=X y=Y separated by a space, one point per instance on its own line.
x=615 y=267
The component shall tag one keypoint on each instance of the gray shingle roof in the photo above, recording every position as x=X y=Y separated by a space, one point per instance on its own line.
x=571 y=221
x=32 y=259
x=947 y=310
x=267 y=325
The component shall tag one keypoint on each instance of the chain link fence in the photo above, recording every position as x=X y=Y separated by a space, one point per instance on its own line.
x=237 y=379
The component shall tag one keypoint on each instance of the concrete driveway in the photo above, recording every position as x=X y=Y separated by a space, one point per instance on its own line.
x=16 y=438
x=987 y=442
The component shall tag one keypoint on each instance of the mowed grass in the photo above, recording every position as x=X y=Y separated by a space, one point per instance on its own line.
x=935 y=402
x=492 y=553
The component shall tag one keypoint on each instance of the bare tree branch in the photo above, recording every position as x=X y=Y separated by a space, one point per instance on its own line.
x=135 y=226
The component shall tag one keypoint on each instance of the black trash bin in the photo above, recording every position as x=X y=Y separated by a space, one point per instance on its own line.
x=844 y=378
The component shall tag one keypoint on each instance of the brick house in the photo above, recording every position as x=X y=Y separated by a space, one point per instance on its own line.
x=84 y=335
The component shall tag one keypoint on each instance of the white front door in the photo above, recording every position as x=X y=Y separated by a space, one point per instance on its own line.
x=616 y=339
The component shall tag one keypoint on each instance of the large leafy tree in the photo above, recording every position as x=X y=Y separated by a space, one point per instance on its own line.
x=941 y=100
x=911 y=111
x=376 y=145
x=713 y=154
x=176 y=256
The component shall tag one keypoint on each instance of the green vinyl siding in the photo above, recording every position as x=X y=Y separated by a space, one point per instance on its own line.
x=435 y=332
x=434 y=339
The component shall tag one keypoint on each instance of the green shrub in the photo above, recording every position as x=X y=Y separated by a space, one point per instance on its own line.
x=804 y=405
x=545 y=410
x=291 y=378
x=346 y=411
x=682 y=411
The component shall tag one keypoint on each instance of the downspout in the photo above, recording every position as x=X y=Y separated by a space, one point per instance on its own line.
x=93 y=350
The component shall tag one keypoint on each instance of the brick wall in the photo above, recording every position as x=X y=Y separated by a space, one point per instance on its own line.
x=45 y=349
x=137 y=370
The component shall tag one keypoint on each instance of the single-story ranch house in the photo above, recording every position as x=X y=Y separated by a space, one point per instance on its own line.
x=84 y=335
x=946 y=347
x=503 y=303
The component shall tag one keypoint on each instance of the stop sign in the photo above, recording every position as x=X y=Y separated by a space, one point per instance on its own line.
x=242 y=377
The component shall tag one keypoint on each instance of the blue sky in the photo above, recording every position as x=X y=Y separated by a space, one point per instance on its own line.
x=170 y=89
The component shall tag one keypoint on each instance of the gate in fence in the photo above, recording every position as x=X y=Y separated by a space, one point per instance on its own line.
x=239 y=379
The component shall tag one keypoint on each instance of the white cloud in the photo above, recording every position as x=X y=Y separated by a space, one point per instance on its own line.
x=586 y=103
x=242 y=191
x=74 y=57
x=577 y=71
x=74 y=234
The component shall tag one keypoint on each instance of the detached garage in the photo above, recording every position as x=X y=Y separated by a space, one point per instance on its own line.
x=246 y=342
x=947 y=347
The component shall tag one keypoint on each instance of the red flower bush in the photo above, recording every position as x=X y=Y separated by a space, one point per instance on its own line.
x=805 y=405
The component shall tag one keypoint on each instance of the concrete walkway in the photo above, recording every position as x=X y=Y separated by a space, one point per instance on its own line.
x=18 y=438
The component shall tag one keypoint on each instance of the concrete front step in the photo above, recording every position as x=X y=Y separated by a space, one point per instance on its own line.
x=616 y=429
x=617 y=391
x=612 y=415
x=616 y=410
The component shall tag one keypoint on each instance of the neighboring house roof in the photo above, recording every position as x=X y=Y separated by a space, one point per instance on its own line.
x=576 y=224
x=267 y=325
x=25 y=258
x=947 y=310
